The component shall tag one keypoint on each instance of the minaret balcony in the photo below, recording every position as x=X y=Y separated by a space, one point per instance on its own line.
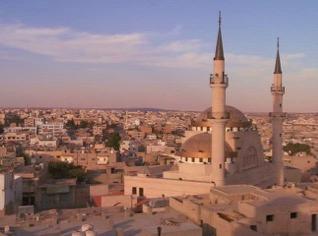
x=216 y=79
x=220 y=115
x=278 y=90
x=278 y=114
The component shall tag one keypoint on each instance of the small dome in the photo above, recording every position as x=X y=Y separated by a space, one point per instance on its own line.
x=86 y=227
x=76 y=233
x=199 y=146
x=90 y=233
x=236 y=119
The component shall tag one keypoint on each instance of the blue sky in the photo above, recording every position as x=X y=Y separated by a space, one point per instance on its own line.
x=137 y=53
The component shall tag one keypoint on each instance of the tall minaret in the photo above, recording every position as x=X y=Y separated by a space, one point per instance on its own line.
x=278 y=90
x=219 y=83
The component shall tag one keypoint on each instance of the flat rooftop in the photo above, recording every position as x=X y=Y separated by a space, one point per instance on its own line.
x=104 y=221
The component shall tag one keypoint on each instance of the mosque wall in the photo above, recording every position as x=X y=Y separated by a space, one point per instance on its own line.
x=262 y=176
x=249 y=149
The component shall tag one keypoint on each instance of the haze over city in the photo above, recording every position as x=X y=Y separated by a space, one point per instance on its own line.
x=158 y=54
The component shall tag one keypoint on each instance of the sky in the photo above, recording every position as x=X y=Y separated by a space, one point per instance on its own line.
x=158 y=54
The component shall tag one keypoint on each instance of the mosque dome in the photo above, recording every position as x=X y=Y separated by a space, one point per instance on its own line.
x=236 y=118
x=199 y=146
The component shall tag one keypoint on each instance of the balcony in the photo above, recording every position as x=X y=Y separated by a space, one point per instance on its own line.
x=279 y=90
x=221 y=115
x=214 y=79
x=277 y=114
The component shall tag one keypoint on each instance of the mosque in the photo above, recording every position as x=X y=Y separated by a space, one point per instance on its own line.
x=222 y=147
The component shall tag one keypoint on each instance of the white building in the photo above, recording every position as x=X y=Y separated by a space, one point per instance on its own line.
x=36 y=141
x=16 y=129
x=68 y=159
x=15 y=137
x=128 y=145
x=54 y=128
x=10 y=192
x=2 y=118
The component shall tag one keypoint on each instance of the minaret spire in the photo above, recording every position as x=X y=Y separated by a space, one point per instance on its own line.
x=219 y=53
x=278 y=67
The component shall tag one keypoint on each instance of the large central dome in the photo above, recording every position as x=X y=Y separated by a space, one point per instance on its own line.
x=200 y=146
x=236 y=119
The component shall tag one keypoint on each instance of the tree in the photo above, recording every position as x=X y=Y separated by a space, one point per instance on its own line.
x=141 y=148
x=64 y=170
x=77 y=173
x=70 y=124
x=85 y=124
x=13 y=118
x=71 y=128
x=294 y=148
x=105 y=135
x=19 y=151
x=114 y=141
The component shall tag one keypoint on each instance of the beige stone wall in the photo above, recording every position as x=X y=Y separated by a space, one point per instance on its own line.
x=191 y=171
x=98 y=190
x=118 y=200
x=156 y=187
x=282 y=222
x=187 y=208
x=179 y=232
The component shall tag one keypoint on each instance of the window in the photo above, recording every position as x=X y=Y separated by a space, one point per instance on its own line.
x=141 y=192
x=209 y=159
x=193 y=159
x=134 y=190
x=269 y=218
x=253 y=227
x=313 y=222
x=293 y=215
x=201 y=159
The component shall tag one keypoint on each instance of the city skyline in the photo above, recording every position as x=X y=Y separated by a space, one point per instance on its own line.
x=150 y=54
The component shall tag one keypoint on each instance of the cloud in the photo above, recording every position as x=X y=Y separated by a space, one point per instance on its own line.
x=63 y=44
x=66 y=45
x=305 y=73
x=253 y=66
